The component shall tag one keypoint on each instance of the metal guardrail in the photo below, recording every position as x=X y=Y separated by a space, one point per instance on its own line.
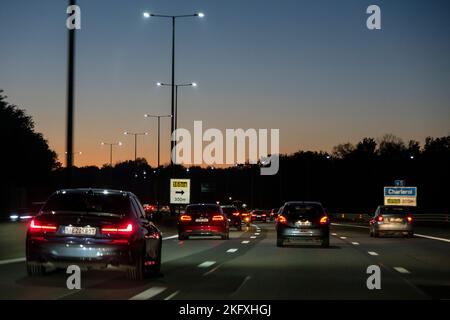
x=363 y=217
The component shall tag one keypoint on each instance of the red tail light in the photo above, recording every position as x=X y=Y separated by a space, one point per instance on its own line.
x=236 y=214
x=185 y=217
x=264 y=215
x=380 y=218
x=324 y=220
x=125 y=229
x=36 y=226
x=409 y=219
x=218 y=218
x=281 y=219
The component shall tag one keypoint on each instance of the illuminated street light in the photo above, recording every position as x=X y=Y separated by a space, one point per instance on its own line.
x=111 y=145
x=135 y=140
x=147 y=15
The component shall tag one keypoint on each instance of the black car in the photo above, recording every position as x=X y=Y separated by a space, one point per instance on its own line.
x=303 y=221
x=259 y=215
x=93 y=228
x=234 y=216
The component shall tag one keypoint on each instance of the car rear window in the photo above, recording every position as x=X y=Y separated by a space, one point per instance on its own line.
x=82 y=203
x=395 y=210
x=203 y=209
x=311 y=210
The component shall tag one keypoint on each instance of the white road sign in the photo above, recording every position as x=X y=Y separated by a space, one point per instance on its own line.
x=180 y=191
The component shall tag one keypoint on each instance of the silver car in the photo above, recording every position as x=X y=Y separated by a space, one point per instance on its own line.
x=391 y=220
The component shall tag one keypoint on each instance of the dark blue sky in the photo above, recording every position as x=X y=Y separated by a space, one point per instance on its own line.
x=310 y=68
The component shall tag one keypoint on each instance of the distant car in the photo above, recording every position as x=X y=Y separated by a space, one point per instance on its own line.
x=274 y=213
x=303 y=221
x=234 y=216
x=391 y=220
x=93 y=228
x=246 y=217
x=151 y=212
x=203 y=220
x=24 y=214
x=259 y=215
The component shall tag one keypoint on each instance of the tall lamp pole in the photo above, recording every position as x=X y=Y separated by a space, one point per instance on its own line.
x=135 y=140
x=173 y=18
x=111 y=145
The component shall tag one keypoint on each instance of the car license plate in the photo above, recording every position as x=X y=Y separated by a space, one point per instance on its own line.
x=88 y=231
x=302 y=223
x=201 y=220
x=396 y=220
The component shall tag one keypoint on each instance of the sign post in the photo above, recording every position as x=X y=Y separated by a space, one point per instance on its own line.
x=180 y=191
x=400 y=196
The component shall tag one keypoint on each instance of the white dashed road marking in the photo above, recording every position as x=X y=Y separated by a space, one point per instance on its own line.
x=233 y=250
x=355 y=243
x=401 y=270
x=245 y=242
x=372 y=253
x=206 y=264
x=149 y=293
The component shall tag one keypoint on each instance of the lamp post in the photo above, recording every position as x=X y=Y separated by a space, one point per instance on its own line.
x=175 y=120
x=148 y=15
x=111 y=145
x=135 y=140
x=159 y=133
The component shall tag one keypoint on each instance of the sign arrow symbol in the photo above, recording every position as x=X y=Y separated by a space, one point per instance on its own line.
x=180 y=192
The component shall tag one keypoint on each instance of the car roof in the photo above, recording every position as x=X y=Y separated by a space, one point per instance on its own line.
x=93 y=191
x=302 y=202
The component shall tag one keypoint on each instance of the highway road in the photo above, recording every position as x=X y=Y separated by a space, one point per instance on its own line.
x=250 y=266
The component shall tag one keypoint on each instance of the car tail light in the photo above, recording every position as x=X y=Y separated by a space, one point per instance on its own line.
x=36 y=226
x=380 y=218
x=409 y=219
x=124 y=230
x=236 y=214
x=185 y=217
x=218 y=218
x=281 y=219
x=264 y=215
x=324 y=220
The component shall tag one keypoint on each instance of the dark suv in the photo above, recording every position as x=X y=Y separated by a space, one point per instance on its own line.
x=303 y=221
x=93 y=228
x=233 y=216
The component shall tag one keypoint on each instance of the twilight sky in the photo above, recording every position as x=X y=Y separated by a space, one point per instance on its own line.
x=308 y=67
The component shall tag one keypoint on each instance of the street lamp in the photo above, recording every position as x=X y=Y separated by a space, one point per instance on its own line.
x=159 y=132
x=175 y=120
x=135 y=140
x=147 y=15
x=111 y=145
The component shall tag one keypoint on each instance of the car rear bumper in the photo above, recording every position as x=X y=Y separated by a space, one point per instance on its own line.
x=203 y=230
x=393 y=227
x=303 y=234
x=80 y=252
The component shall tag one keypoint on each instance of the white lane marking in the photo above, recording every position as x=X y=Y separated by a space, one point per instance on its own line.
x=12 y=261
x=172 y=295
x=212 y=270
x=245 y=242
x=401 y=270
x=355 y=243
x=257 y=234
x=253 y=237
x=206 y=264
x=343 y=238
x=432 y=238
x=171 y=237
x=247 y=278
x=416 y=234
x=334 y=234
x=149 y=293
x=233 y=250
x=372 y=253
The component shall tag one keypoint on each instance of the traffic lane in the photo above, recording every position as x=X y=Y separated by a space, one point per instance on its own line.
x=181 y=271
x=107 y=284
x=425 y=263
x=307 y=271
x=12 y=240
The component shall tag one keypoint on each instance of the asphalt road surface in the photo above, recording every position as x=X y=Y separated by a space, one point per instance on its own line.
x=250 y=266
